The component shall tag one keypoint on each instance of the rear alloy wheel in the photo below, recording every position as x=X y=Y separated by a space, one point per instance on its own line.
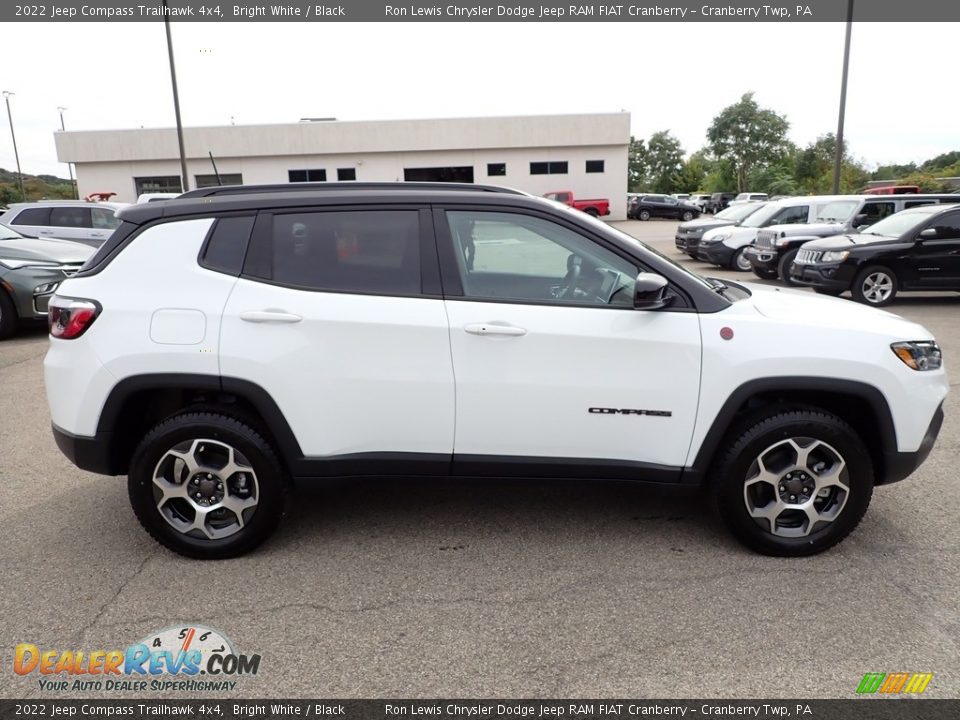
x=207 y=486
x=740 y=261
x=783 y=266
x=643 y=215
x=687 y=216
x=875 y=286
x=8 y=316
x=794 y=482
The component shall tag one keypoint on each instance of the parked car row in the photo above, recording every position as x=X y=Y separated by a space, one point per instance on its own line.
x=872 y=246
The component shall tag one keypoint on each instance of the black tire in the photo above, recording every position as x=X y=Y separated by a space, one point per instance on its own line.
x=827 y=291
x=764 y=274
x=783 y=266
x=687 y=216
x=765 y=435
x=740 y=262
x=592 y=212
x=643 y=215
x=270 y=482
x=9 y=320
x=868 y=287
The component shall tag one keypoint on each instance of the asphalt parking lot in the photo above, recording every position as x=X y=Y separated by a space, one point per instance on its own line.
x=490 y=589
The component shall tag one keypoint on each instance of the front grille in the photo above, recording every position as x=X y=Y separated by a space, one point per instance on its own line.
x=765 y=241
x=808 y=257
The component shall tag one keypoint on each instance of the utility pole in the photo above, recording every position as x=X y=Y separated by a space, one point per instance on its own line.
x=838 y=159
x=73 y=185
x=185 y=183
x=6 y=96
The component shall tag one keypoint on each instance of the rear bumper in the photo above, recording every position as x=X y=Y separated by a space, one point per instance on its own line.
x=90 y=454
x=900 y=465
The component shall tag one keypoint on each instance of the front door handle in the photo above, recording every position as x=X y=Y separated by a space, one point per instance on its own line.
x=269 y=316
x=493 y=329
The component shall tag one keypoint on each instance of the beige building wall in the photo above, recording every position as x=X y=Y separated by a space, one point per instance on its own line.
x=109 y=160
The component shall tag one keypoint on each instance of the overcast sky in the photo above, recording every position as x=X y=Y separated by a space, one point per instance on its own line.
x=675 y=76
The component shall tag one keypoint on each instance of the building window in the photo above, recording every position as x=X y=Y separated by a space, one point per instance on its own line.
x=594 y=166
x=346 y=173
x=225 y=179
x=548 y=168
x=307 y=175
x=161 y=183
x=496 y=169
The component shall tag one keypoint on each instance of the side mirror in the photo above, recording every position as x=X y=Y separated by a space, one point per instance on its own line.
x=927 y=234
x=650 y=292
x=860 y=220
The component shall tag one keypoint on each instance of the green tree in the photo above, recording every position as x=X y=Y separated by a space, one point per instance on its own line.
x=693 y=173
x=749 y=136
x=665 y=160
x=637 y=166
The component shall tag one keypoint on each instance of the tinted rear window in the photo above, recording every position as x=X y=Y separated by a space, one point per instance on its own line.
x=227 y=245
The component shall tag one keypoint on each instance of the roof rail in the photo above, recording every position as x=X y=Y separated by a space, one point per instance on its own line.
x=221 y=190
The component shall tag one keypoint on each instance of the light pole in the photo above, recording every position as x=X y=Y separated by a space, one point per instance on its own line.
x=73 y=185
x=6 y=96
x=176 y=101
x=838 y=158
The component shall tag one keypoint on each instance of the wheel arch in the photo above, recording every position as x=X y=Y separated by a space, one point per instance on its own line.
x=139 y=402
x=862 y=406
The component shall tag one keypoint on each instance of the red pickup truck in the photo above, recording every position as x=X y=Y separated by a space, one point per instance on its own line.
x=591 y=207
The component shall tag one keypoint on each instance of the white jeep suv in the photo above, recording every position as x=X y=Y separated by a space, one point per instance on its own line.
x=221 y=344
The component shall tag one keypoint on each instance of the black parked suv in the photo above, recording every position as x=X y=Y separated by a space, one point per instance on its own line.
x=719 y=201
x=644 y=207
x=917 y=249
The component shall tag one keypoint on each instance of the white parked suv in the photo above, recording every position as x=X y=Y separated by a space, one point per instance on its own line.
x=221 y=344
x=87 y=222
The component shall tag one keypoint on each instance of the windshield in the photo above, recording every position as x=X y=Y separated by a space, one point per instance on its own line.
x=8 y=234
x=897 y=224
x=738 y=212
x=761 y=217
x=839 y=211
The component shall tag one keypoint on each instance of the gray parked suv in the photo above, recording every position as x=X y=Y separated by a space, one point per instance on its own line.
x=86 y=222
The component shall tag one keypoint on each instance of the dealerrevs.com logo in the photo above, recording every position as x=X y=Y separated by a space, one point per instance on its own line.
x=182 y=658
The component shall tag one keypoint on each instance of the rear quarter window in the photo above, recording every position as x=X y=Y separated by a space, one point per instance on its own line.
x=32 y=216
x=227 y=245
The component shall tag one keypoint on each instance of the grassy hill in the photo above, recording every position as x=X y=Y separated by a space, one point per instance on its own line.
x=36 y=187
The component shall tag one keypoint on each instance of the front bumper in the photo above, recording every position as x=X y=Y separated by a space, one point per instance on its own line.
x=829 y=277
x=900 y=465
x=716 y=253
x=687 y=243
x=765 y=260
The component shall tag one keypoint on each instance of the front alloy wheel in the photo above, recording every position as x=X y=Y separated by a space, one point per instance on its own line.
x=875 y=286
x=793 y=482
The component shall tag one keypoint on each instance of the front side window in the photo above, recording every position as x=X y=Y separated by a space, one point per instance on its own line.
x=947 y=227
x=791 y=215
x=370 y=252
x=518 y=257
x=876 y=211
x=70 y=217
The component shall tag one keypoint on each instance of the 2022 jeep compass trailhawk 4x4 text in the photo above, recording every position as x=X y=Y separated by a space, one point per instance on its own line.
x=221 y=344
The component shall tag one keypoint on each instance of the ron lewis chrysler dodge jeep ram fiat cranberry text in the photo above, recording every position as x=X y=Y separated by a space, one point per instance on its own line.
x=220 y=344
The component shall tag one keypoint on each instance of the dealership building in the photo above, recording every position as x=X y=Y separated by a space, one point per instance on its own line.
x=584 y=153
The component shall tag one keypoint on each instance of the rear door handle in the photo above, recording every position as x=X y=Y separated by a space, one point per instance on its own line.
x=269 y=316
x=493 y=329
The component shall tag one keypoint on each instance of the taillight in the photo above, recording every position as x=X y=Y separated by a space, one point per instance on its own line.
x=69 y=318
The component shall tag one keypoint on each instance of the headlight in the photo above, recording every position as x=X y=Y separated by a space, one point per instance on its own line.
x=14 y=264
x=835 y=256
x=923 y=355
x=716 y=238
